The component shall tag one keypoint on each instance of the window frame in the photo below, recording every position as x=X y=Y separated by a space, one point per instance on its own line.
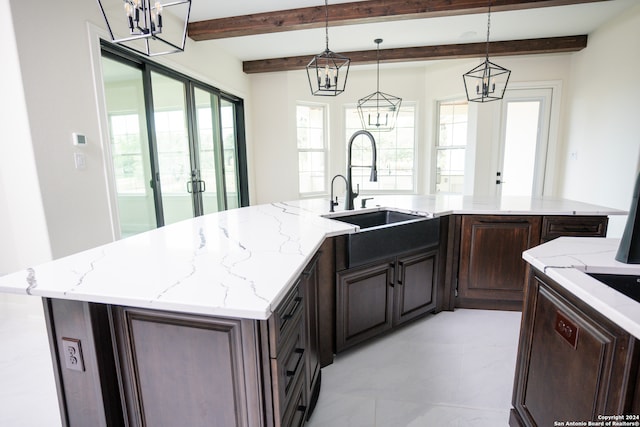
x=438 y=147
x=416 y=149
x=324 y=149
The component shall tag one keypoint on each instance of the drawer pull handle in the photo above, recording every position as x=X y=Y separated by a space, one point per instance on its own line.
x=576 y=228
x=515 y=221
x=293 y=310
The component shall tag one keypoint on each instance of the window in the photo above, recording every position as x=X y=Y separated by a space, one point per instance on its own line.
x=396 y=153
x=127 y=154
x=451 y=143
x=312 y=148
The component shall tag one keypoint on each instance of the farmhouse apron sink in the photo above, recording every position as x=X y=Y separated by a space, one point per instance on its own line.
x=387 y=233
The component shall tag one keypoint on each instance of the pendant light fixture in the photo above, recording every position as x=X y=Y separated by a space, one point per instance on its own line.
x=147 y=26
x=379 y=110
x=327 y=71
x=488 y=81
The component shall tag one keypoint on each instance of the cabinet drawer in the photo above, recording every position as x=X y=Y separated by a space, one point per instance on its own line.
x=580 y=226
x=287 y=369
x=286 y=319
x=294 y=414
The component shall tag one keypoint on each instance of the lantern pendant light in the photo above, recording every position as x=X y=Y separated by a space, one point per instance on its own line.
x=488 y=81
x=145 y=26
x=379 y=110
x=327 y=71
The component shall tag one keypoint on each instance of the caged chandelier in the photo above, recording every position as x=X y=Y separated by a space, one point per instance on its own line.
x=379 y=110
x=147 y=26
x=327 y=71
x=488 y=81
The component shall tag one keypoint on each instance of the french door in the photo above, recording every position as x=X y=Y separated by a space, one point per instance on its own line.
x=176 y=145
x=526 y=117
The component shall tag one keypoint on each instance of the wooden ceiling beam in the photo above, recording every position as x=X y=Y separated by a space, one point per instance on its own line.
x=425 y=53
x=355 y=13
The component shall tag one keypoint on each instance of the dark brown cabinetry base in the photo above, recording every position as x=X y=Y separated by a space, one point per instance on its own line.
x=573 y=363
x=486 y=268
x=492 y=271
x=142 y=367
x=373 y=299
x=174 y=366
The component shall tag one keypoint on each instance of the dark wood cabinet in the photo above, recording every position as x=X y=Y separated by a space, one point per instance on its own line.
x=150 y=367
x=288 y=353
x=373 y=299
x=492 y=272
x=174 y=365
x=309 y=282
x=364 y=303
x=573 y=363
x=414 y=293
x=578 y=226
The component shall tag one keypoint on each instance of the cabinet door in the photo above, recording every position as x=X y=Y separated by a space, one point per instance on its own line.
x=187 y=370
x=572 y=362
x=492 y=272
x=415 y=291
x=312 y=367
x=364 y=303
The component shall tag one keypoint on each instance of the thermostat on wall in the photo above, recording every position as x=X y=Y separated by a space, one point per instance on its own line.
x=79 y=139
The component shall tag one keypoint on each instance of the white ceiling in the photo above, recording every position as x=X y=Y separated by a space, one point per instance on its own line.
x=533 y=23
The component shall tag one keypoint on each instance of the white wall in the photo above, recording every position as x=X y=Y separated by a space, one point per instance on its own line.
x=23 y=229
x=602 y=151
x=54 y=51
x=274 y=96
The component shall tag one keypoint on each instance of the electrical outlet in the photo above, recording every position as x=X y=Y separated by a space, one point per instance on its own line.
x=72 y=354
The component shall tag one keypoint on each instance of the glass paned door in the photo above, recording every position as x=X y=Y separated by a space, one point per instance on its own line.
x=228 y=118
x=525 y=133
x=172 y=147
x=129 y=146
x=178 y=147
x=208 y=137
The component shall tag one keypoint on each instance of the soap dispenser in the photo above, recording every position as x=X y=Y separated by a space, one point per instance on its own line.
x=629 y=249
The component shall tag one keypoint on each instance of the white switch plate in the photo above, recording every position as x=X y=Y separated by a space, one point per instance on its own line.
x=80 y=161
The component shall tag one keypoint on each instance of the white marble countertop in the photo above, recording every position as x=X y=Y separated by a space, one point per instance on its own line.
x=237 y=263
x=567 y=260
x=440 y=205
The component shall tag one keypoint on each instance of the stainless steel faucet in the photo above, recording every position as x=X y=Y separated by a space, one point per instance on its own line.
x=348 y=203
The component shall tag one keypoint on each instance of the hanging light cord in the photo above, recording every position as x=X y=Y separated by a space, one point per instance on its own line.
x=378 y=66
x=326 y=21
x=488 y=29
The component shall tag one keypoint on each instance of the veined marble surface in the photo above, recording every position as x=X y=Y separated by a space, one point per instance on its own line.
x=440 y=205
x=237 y=263
x=567 y=260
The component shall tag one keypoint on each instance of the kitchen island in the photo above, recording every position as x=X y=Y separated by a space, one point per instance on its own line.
x=140 y=328
x=578 y=355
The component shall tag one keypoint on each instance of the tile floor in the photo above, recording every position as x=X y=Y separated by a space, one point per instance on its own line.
x=452 y=369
